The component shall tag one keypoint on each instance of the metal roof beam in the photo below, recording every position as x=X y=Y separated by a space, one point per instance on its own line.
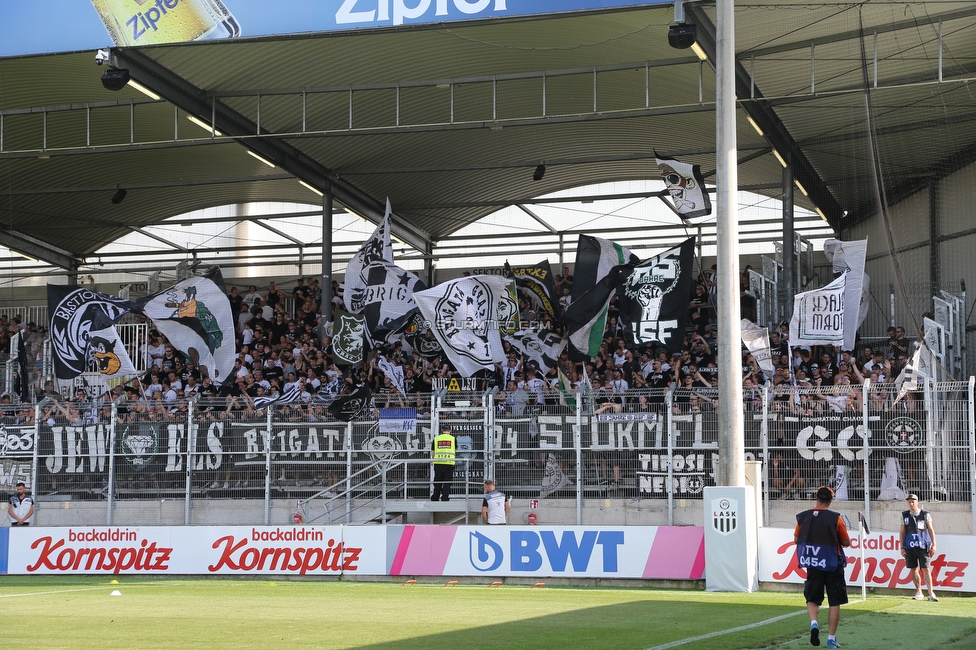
x=542 y=222
x=161 y=240
x=297 y=242
x=35 y=248
x=773 y=128
x=193 y=100
x=854 y=34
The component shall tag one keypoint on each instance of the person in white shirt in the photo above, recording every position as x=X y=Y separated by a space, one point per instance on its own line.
x=496 y=506
x=536 y=385
x=251 y=295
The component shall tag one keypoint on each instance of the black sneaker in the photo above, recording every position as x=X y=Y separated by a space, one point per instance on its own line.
x=814 y=636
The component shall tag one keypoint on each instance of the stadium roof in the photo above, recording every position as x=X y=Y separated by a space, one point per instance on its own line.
x=451 y=121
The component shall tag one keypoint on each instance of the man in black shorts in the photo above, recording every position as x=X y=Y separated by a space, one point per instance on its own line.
x=819 y=535
x=918 y=545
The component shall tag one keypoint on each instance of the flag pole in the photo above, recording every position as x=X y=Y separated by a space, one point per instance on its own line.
x=731 y=468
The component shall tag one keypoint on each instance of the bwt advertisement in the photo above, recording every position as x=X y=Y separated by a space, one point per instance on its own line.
x=43 y=26
x=606 y=552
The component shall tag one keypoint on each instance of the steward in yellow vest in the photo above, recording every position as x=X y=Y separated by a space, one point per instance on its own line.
x=443 y=451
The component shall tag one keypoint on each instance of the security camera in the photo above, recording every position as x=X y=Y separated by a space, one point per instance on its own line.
x=101 y=56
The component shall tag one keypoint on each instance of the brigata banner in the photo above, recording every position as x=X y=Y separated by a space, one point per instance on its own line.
x=883 y=564
x=56 y=26
x=598 y=551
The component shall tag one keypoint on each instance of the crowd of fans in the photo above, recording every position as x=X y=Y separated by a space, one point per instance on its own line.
x=283 y=345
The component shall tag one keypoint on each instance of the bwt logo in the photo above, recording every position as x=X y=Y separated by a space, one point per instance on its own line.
x=528 y=550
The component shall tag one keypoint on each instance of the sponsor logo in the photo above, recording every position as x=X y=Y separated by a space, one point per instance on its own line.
x=486 y=555
x=878 y=571
x=528 y=551
x=237 y=555
x=56 y=556
x=371 y=11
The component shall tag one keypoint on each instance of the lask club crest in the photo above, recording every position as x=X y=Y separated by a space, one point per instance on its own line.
x=725 y=515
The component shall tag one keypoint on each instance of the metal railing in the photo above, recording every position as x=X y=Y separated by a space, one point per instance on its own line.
x=644 y=455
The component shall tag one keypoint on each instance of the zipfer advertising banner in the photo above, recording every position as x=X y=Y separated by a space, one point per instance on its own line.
x=580 y=551
x=41 y=26
x=952 y=568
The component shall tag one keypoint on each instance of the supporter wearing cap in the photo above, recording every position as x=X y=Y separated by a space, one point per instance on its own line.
x=918 y=545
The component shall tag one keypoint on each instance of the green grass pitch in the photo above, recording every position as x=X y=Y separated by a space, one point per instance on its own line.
x=59 y=612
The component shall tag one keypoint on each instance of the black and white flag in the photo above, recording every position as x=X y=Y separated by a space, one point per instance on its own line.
x=298 y=393
x=464 y=313
x=655 y=297
x=553 y=478
x=600 y=263
x=393 y=372
x=818 y=316
x=419 y=335
x=686 y=185
x=849 y=257
x=107 y=350
x=348 y=407
x=349 y=342
x=541 y=347
x=194 y=315
x=379 y=289
x=538 y=281
x=73 y=310
x=756 y=340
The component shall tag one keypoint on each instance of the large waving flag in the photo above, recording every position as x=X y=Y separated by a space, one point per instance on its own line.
x=349 y=407
x=849 y=257
x=73 y=309
x=464 y=313
x=349 y=341
x=686 y=186
x=537 y=280
x=654 y=303
x=756 y=340
x=379 y=289
x=600 y=266
x=107 y=349
x=194 y=315
x=541 y=347
x=818 y=316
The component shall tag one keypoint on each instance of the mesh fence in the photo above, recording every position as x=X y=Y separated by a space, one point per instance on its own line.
x=648 y=454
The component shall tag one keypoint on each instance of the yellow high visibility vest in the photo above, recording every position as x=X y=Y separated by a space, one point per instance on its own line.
x=445 y=448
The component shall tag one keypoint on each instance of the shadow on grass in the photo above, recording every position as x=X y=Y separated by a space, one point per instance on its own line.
x=641 y=624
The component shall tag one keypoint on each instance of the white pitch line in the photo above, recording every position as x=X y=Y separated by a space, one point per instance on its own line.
x=674 y=644
x=48 y=593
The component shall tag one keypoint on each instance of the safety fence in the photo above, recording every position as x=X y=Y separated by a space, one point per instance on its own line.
x=651 y=452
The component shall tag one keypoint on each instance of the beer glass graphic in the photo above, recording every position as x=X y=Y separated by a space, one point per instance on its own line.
x=145 y=22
